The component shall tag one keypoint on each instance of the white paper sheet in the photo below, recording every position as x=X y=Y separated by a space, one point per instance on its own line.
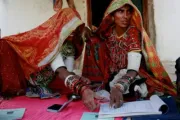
x=146 y=107
x=11 y=114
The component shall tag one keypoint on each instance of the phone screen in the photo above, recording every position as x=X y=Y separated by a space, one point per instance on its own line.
x=55 y=107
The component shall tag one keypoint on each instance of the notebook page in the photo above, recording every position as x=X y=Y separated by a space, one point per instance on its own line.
x=158 y=104
x=126 y=114
x=129 y=107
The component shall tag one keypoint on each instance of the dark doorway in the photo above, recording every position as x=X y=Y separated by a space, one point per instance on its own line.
x=139 y=4
x=98 y=8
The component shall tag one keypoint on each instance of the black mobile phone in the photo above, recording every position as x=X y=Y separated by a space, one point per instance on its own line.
x=54 y=108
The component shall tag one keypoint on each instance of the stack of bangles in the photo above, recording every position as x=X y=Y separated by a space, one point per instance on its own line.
x=124 y=84
x=75 y=83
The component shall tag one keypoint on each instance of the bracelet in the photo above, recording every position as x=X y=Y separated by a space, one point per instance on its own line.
x=73 y=87
x=130 y=70
x=125 y=85
x=67 y=78
x=119 y=86
x=129 y=78
x=79 y=90
x=76 y=84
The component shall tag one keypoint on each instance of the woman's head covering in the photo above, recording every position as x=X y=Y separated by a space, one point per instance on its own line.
x=160 y=80
x=115 y=5
x=38 y=47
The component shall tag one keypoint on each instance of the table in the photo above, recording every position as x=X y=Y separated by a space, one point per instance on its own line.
x=36 y=108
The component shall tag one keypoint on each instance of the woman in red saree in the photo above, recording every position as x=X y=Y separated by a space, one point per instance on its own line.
x=123 y=48
x=39 y=53
x=37 y=48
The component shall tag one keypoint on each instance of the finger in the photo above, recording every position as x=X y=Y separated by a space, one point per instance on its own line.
x=117 y=102
x=121 y=102
x=98 y=97
x=93 y=104
x=97 y=105
x=90 y=103
x=86 y=103
x=111 y=100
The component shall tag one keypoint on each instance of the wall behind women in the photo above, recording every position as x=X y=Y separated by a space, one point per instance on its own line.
x=3 y=17
x=167 y=17
x=21 y=15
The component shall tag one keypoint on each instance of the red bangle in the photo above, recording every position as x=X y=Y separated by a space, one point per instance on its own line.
x=73 y=84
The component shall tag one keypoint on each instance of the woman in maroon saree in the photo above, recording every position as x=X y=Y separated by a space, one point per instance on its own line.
x=114 y=54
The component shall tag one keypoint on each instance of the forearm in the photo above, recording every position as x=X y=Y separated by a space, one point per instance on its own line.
x=134 y=60
x=63 y=73
x=126 y=80
x=131 y=73
x=71 y=80
x=71 y=4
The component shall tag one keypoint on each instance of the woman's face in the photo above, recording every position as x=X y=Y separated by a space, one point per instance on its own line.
x=75 y=36
x=76 y=33
x=122 y=16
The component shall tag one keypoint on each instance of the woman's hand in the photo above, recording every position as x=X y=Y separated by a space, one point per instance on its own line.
x=88 y=99
x=86 y=34
x=116 y=97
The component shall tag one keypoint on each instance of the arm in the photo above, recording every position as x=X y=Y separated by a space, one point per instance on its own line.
x=76 y=83
x=71 y=4
x=121 y=85
x=134 y=59
x=57 y=5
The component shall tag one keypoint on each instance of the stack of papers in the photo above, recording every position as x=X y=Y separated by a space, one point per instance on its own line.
x=154 y=106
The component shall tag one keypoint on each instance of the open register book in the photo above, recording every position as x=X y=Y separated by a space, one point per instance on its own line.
x=153 y=106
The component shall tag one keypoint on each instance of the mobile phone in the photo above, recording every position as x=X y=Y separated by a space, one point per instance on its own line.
x=54 y=108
